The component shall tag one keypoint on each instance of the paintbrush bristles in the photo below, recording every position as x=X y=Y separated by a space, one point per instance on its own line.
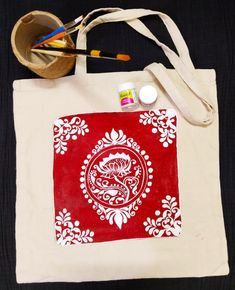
x=123 y=57
x=73 y=22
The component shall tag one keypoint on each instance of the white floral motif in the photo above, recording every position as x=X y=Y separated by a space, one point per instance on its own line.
x=116 y=177
x=68 y=233
x=169 y=223
x=163 y=122
x=118 y=216
x=116 y=184
x=115 y=165
x=65 y=129
x=114 y=138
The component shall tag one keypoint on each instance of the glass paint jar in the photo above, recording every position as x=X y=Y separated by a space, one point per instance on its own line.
x=147 y=95
x=127 y=96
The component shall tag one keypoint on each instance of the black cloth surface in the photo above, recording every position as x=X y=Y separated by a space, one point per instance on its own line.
x=208 y=27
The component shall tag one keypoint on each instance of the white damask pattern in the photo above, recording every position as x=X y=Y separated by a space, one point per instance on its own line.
x=65 y=129
x=115 y=177
x=169 y=223
x=164 y=122
x=68 y=233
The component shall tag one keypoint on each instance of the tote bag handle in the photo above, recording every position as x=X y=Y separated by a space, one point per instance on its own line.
x=181 y=62
x=131 y=16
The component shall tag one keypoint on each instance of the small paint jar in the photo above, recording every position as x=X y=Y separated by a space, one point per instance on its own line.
x=147 y=95
x=127 y=96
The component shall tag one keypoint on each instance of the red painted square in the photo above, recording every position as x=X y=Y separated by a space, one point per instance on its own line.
x=115 y=176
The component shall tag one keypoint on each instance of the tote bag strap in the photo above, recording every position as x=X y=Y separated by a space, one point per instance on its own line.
x=181 y=62
x=160 y=73
x=130 y=16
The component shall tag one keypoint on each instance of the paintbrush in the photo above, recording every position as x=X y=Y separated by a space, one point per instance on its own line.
x=59 y=32
x=69 y=52
x=57 y=43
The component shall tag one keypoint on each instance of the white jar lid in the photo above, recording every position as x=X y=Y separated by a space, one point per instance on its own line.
x=126 y=86
x=148 y=95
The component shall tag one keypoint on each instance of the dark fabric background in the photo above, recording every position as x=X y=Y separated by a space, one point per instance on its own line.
x=208 y=27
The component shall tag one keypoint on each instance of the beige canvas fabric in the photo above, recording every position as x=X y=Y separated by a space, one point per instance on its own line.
x=201 y=249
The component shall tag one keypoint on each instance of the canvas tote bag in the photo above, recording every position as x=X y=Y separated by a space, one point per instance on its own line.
x=201 y=248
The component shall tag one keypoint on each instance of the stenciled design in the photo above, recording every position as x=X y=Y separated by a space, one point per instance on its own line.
x=115 y=177
x=164 y=122
x=168 y=223
x=65 y=129
x=68 y=233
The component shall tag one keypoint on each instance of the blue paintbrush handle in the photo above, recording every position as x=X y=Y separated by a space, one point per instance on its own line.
x=56 y=31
